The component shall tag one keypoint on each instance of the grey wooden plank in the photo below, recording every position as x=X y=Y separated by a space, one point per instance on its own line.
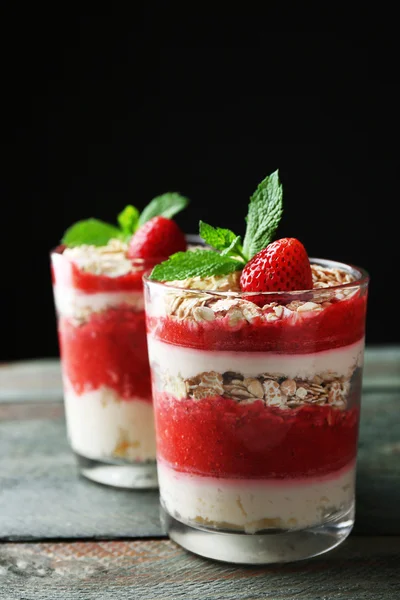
x=378 y=466
x=42 y=497
x=381 y=367
x=40 y=380
x=31 y=380
x=360 y=569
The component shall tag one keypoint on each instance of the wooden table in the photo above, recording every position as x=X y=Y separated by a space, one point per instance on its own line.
x=62 y=537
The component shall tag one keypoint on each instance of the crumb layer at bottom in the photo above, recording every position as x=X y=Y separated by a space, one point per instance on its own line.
x=251 y=506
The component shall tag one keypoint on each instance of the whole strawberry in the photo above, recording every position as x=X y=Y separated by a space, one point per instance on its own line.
x=157 y=238
x=282 y=266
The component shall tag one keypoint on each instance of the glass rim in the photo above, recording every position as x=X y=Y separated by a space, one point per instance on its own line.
x=136 y=262
x=145 y=263
x=361 y=280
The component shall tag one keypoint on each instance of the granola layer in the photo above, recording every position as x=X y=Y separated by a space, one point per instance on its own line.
x=272 y=389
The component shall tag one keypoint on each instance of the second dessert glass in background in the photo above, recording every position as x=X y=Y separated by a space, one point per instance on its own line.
x=98 y=293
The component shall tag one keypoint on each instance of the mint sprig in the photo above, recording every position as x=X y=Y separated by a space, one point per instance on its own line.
x=98 y=233
x=265 y=212
x=216 y=236
x=128 y=220
x=221 y=239
x=167 y=205
x=90 y=231
x=194 y=263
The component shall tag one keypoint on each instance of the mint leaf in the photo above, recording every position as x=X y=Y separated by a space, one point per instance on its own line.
x=265 y=212
x=224 y=240
x=234 y=248
x=216 y=236
x=194 y=263
x=167 y=205
x=90 y=231
x=128 y=220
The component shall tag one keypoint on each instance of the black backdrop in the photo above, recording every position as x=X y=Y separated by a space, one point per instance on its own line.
x=105 y=111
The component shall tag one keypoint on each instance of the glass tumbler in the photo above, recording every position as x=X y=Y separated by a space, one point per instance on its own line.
x=257 y=405
x=106 y=374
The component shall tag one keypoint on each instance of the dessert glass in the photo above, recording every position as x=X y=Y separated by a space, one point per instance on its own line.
x=105 y=369
x=257 y=408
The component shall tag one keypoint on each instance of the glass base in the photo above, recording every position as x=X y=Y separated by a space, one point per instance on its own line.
x=119 y=474
x=277 y=546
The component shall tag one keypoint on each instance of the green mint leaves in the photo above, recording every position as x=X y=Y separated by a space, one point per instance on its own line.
x=224 y=240
x=128 y=220
x=99 y=233
x=167 y=205
x=264 y=214
x=215 y=236
x=265 y=211
x=90 y=231
x=204 y=263
x=194 y=263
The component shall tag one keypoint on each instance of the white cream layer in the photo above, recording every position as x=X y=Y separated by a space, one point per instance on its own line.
x=186 y=362
x=252 y=506
x=71 y=302
x=102 y=425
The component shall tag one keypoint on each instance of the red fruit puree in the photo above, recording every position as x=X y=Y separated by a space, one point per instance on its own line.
x=110 y=348
x=340 y=324
x=219 y=437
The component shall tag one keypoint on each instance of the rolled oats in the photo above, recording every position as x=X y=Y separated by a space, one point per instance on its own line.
x=288 y=387
x=202 y=313
x=271 y=317
x=272 y=393
x=237 y=392
x=301 y=393
x=176 y=386
x=235 y=317
x=308 y=306
x=250 y=311
x=212 y=380
x=255 y=387
x=110 y=260
x=229 y=376
x=326 y=277
x=273 y=388
x=203 y=392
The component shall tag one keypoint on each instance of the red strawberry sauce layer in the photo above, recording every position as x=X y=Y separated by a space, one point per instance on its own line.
x=110 y=349
x=70 y=275
x=219 y=437
x=340 y=324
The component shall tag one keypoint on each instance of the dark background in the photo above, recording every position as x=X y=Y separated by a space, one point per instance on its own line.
x=102 y=111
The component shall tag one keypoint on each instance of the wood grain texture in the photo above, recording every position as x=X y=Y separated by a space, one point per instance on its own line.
x=42 y=496
x=378 y=465
x=360 y=569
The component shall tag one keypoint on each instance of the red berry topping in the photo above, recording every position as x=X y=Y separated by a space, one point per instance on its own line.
x=282 y=266
x=157 y=238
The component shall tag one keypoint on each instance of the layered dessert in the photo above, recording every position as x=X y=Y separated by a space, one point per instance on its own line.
x=98 y=293
x=256 y=353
